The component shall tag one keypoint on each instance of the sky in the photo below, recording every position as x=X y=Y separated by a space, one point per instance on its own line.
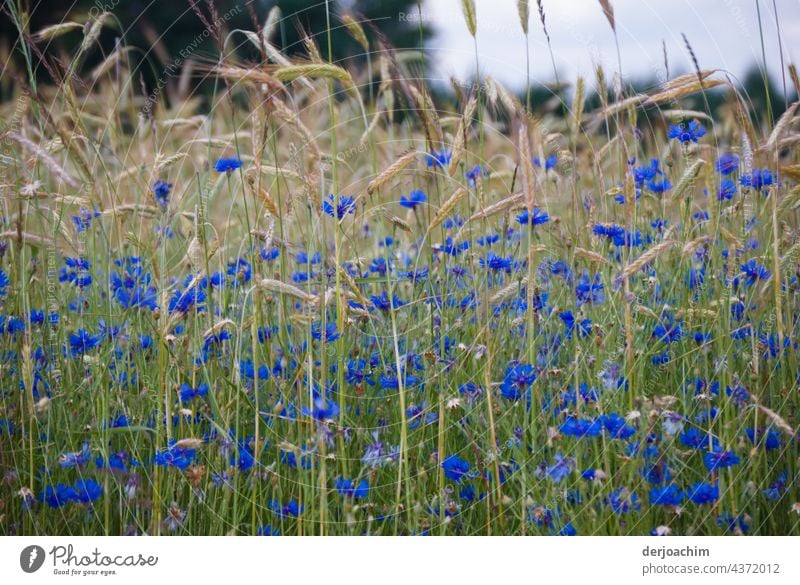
x=723 y=33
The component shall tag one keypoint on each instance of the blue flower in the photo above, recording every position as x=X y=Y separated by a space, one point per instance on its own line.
x=549 y=163
x=755 y=271
x=346 y=205
x=616 y=426
x=687 y=132
x=175 y=456
x=227 y=165
x=161 y=191
x=187 y=393
x=438 y=158
x=82 y=341
x=57 y=496
x=703 y=493
x=668 y=495
x=349 y=489
x=87 y=491
x=291 y=509
x=578 y=427
x=538 y=217
x=727 y=189
x=769 y=438
x=590 y=291
x=472 y=175
x=561 y=468
x=330 y=333
x=456 y=469
x=414 y=199
x=727 y=164
x=77 y=459
x=720 y=459
x=622 y=501
x=757 y=179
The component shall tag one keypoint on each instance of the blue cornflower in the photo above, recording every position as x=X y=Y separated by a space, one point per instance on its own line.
x=240 y=271
x=622 y=501
x=345 y=206
x=227 y=165
x=414 y=198
x=720 y=459
x=349 y=489
x=83 y=221
x=76 y=272
x=767 y=437
x=669 y=330
x=727 y=164
x=57 y=496
x=616 y=426
x=175 y=456
x=329 y=334
x=538 y=217
x=577 y=427
x=82 y=341
x=438 y=158
x=757 y=179
x=76 y=459
x=187 y=393
x=4 y=282
x=703 y=493
x=472 y=175
x=755 y=271
x=590 y=291
x=697 y=439
x=561 y=468
x=687 y=132
x=549 y=162
x=87 y=491
x=456 y=469
x=497 y=263
x=291 y=509
x=727 y=189
x=161 y=191
x=584 y=326
x=668 y=495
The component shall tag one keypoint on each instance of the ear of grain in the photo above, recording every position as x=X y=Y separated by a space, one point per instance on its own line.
x=690 y=247
x=526 y=164
x=447 y=207
x=523 y=9
x=460 y=137
x=49 y=33
x=777 y=420
x=688 y=178
x=46 y=158
x=592 y=256
x=504 y=205
x=780 y=127
x=608 y=12
x=391 y=172
x=468 y=8
x=577 y=106
x=356 y=30
x=646 y=258
x=283 y=288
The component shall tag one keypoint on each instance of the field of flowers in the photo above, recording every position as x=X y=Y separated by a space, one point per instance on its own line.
x=320 y=301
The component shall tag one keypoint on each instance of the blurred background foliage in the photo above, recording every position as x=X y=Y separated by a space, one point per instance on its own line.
x=162 y=30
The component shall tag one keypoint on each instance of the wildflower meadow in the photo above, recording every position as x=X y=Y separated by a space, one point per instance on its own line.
x=326 y=296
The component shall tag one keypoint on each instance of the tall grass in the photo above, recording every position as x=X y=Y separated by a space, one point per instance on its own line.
x=324 y=303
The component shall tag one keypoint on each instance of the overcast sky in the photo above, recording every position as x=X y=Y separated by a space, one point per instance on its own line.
x=723 y=33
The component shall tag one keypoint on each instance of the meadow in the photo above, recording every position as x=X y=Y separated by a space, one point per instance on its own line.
x=321 y=300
